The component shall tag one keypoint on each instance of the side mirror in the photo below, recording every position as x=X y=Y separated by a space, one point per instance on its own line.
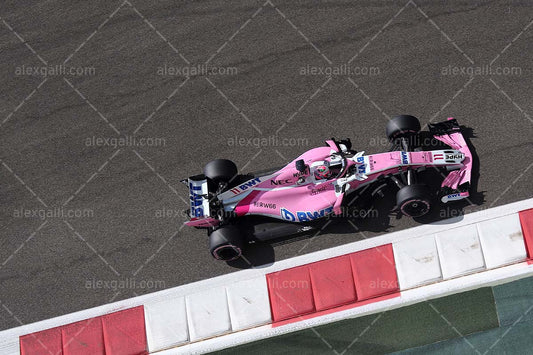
x=347 y=143
x=300 y=166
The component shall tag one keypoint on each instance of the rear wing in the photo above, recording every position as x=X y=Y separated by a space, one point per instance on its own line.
x=199 y=212
x=456 y=185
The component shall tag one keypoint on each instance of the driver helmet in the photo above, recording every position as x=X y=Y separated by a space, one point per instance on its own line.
x=322 y=172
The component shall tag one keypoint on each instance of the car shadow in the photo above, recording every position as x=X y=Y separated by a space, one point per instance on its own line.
x=256 y=255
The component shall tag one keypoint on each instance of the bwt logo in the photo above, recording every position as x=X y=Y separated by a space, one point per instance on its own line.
x=196 y=200
x=405 y=158
x=250 y=183
x=305 y=216
x=361 y=168
x=288 y=215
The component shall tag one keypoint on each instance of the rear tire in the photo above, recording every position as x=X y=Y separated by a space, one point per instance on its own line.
x=220 y=170
x=403 y=126
x=226 y=243
x=414 y=200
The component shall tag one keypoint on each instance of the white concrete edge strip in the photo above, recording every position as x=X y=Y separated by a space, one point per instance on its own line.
x=9 y=339
x=425 y=293
x=490 y=243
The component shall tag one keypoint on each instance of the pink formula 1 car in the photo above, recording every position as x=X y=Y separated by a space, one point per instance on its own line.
x=320 y=183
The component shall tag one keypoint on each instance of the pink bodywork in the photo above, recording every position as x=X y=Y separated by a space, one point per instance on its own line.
x=203 y=222
x=282 y=196
x=457 y=177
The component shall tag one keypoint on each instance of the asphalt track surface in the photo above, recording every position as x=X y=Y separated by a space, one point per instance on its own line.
x=50 y=124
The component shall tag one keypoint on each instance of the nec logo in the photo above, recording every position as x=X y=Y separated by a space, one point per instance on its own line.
x=250 y=183
x=280 y=182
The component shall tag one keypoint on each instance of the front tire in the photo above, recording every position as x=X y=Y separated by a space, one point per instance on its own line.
x=414 y=200
x=403 y=126
x=226 y=243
